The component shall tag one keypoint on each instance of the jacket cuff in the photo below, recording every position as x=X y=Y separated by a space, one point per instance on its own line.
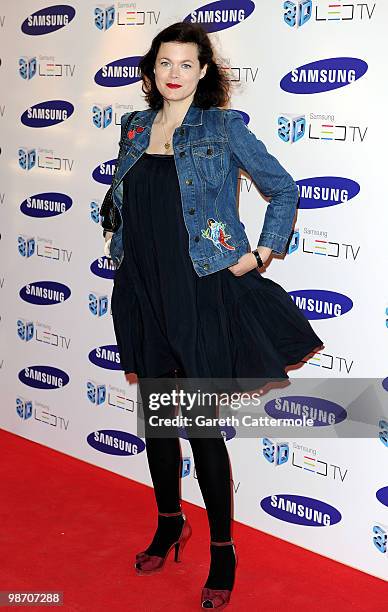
x=273 y=241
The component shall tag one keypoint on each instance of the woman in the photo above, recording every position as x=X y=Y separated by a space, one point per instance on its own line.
x=188 y=299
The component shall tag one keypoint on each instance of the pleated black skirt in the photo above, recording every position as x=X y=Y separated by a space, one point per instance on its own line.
x=167 y=317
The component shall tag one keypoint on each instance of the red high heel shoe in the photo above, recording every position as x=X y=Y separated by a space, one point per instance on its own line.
x=150 y=564
x=217 y=598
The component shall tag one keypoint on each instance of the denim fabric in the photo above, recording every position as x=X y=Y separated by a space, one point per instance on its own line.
x=210 y=146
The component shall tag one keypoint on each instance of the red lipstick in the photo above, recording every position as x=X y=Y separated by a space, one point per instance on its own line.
x=173 y=85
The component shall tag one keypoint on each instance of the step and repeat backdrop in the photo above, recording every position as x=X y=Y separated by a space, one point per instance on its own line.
x=309 y=78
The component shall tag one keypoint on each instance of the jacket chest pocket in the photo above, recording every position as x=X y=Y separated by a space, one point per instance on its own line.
x=209 y=161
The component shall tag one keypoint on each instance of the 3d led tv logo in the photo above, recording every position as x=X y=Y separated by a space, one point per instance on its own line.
x=121 y=72
x=27 y=158
x=49 y=204
x=301 y=510
x=23 y=408
x=98 y=304
x=114 y=442
x=383 y=431
x=104 y=17
x=48 y=19
x=27 y=67
x=47 y=113
x=299 y=12
x=324 y=75
x=221 y=15
x=102 y=115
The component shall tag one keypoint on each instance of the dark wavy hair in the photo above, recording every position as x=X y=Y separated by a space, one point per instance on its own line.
x=212 y=90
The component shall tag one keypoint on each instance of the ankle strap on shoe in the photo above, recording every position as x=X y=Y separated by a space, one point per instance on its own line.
x=222 y=543
x=170 y=513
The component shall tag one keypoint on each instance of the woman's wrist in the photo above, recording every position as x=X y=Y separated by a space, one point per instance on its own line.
x=257 y=256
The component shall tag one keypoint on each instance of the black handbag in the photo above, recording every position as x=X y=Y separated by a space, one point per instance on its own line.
x=110 y=216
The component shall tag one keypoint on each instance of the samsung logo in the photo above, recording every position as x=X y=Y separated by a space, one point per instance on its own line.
x=324 y=75
x=301 y=510
x=47 y=113
x=321 y=304
x=43 y=377
x=115 y=442
x=124 y=71
x=104 y=172
x=47 y=204
x=103 y=267
x=323 y=412
x=48 y=20
x=221 y=15
x=323 y=191
x=106 y=357
x=382 y=496
x=44 y=293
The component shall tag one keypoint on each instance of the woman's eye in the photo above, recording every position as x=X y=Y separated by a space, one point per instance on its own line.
x=186 y=65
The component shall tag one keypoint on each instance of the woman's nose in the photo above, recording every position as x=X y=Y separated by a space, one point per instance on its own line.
x=174 y=72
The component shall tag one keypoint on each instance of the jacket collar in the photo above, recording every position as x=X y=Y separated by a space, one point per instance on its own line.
x=193 y=116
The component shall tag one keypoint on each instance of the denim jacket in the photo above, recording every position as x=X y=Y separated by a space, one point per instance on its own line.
x=209 y=148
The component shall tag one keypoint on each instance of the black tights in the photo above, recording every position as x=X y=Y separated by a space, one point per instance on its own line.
x=213 y=471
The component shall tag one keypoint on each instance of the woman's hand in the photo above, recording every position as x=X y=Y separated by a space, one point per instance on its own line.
x=248 y=262
x=108 y=237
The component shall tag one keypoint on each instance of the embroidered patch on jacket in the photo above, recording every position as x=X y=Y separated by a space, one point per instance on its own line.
x=215 y=231
x=132 y=133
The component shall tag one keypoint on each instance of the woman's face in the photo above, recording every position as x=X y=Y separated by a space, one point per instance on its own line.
x=177 y=70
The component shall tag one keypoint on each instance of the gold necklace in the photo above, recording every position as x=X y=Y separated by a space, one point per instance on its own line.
x=167 y=145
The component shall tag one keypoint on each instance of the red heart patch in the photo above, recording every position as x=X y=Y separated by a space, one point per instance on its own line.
x=131 y=134
x=139 y=129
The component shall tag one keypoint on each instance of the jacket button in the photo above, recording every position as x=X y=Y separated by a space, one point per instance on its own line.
x=196 y=239
x=209 y=151
x=182 y=131
x=189 y=181
x=191 y=211
x=182 y=154
x=205 y=266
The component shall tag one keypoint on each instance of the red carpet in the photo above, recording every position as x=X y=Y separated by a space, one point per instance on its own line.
x=72 y=527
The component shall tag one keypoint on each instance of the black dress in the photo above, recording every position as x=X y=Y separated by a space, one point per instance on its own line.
x=166 y=316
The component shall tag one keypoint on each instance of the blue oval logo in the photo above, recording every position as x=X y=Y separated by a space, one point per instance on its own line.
x=301 y=510
x=385 y=383
x=103 y=173
x=323 y=412
x=47 y=113
x=106 y=357
x=321 y=304
x=324 y=75
x=103 y=267
x=48 y=20
x=48 y=204
x=220 y=15
x=44 y=293
x=382 y=496
x=227 y=431
x=114 y=442
x=245 y=116
x=43 y=377
x=324 y=191
x=119 y=73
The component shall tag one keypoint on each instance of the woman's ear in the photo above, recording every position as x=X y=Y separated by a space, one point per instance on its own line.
x=203 y=71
